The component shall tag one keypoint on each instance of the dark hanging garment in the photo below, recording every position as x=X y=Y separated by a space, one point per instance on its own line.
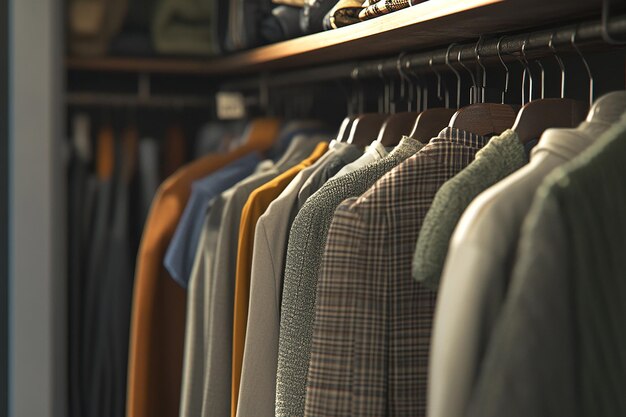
x=93 y=350
x=118 y=275
x=81 y=192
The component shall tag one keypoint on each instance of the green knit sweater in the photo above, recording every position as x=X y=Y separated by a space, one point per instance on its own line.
x=502 y=156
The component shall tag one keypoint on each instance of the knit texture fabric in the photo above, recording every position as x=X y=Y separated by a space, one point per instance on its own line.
x=503 y=155
x=304 y=254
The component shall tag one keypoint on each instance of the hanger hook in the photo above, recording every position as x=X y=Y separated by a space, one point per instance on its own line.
x=606 y=34
x=419 y=88
x=438 y=75
x=404 y=78
x=527 y=70
x=483 y=86
x=359 y=92
x=559 y=62
x=474 y=87
x=457 y=75
x=382 y=99
x=543 y=78
x=506 y=69
x=587 y=68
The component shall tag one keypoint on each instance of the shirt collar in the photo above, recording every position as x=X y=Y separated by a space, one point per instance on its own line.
x=461 y=137
x=377 y=149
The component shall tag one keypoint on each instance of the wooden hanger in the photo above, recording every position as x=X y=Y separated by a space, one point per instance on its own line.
x=484 y=118
x=480 y=118
x=538 y=115
x=430 y=122
x=396 y=126
x=365 y=127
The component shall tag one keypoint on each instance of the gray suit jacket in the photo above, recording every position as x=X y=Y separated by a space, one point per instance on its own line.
x=257 y=390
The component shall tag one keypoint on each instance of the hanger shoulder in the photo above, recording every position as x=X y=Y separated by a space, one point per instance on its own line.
x=538 y=115
x=344 y=129
x=430 y=122
x=396 y=126
x=484 y=118
x=608 y=108
x=365 y=128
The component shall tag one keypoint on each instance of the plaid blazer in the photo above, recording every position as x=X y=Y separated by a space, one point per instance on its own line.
x=304 y=255
x=371 y=337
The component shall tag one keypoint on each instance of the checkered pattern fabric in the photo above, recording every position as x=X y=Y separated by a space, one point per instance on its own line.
x=304 y=255
x=373 y=322
x=384 y=7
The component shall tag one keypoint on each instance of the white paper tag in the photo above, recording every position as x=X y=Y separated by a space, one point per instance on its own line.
x=230 y=105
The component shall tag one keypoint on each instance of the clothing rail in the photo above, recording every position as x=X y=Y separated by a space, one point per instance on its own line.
x=537 y=44
x=130 y=100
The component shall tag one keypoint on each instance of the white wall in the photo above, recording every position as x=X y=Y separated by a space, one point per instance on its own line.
x=37 y=238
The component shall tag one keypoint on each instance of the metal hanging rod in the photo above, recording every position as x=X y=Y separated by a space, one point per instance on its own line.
x=132 y=100
x=588 y=34
x=143 y=98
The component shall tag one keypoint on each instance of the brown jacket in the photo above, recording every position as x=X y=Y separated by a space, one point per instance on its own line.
x=158 y=317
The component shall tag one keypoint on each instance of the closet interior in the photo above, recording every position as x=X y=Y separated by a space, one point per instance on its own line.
x=296 y=208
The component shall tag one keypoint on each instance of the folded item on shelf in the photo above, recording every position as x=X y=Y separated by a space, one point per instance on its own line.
x=283 y=24
x=312 y=15
x=183 y=27
x=344 y=13
x=293 y=3
x=386 y=6
x=93 y=24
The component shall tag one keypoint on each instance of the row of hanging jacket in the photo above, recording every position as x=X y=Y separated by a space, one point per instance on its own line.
x=463 y=263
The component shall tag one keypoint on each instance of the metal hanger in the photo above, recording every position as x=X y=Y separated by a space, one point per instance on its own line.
x=407 y=93
x=538 y=115
x=365 y=127
x=609 y=108
x=483 y=86
x=431 y=121
x=527 y=71
x=506 y=69
x=445 y=99
x=559 y=62
x=482 y=118
x=346 y=123
x=585 y=63
x=398 y=124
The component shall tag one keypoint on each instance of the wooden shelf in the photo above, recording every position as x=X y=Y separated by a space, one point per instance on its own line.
x=429 y=24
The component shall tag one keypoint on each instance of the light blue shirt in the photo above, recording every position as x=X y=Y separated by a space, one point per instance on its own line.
x=181 y=252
